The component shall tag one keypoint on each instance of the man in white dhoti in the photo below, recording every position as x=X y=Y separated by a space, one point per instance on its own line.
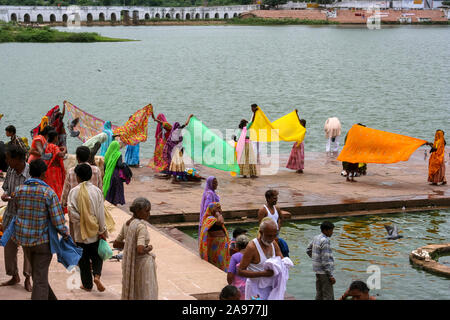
x=257 y=252
x=332 y=132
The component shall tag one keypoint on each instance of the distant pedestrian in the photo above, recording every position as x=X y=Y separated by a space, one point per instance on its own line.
x=38 y=209
x=332 y=132
x=323 y=262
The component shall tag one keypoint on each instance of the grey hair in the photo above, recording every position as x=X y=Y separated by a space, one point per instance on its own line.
x=242 y=241
x=139 y=204
x=266 y=222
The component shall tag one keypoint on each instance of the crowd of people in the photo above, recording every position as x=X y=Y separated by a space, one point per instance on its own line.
x=40 y=190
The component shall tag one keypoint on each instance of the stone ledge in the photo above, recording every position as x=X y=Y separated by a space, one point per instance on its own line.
x=427 y=262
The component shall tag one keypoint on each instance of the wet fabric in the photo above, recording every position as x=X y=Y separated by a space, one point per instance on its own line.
x=214 y=249
x=367 y=145
x=88 y=125
x=288 y=126
x=134 y=130
x=205 y=147
x=437 y=157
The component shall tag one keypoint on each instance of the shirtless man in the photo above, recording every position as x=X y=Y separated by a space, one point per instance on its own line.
x=257 y=252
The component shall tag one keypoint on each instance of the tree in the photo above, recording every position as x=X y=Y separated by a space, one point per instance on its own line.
x=274 y=3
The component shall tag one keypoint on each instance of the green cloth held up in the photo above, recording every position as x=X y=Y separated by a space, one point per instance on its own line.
x=205 y=147
x=112 y=155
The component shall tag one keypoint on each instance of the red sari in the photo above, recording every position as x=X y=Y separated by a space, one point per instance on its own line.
x=56 y=173
x=43 y=142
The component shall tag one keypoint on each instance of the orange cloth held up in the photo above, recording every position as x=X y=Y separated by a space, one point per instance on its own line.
x=369 y=145
x=437 y=157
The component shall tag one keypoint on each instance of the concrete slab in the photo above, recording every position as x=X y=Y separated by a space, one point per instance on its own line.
x=319 y=190
x=181 y=273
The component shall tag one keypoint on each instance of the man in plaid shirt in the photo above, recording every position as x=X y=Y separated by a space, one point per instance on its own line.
x=323 y=262
x=37 y=207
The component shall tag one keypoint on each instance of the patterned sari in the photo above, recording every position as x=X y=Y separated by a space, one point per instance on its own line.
x=158 y=163
x=214 y=249
x=56 y=173
x=436 y=164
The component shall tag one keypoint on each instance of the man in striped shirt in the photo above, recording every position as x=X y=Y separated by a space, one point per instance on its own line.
x=37 y=207
x=323 y=262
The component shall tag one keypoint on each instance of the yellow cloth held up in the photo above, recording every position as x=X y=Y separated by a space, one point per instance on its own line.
x=88 y=222
x=286 y=128
x=367 y=145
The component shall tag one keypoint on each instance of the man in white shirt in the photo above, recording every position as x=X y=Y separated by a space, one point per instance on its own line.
x=86 y=211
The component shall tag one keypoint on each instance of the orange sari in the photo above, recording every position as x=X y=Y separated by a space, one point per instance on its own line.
x=437 y=157
x=56 y=173
x=43 y=142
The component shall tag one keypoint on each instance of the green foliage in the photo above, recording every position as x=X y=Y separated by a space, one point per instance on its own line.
x=274 y=3
x=262 y=22
x=14 y=33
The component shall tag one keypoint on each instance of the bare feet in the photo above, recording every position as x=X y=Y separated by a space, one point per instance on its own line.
x=99 y=285
x=444 y=183
x=14 y=280
x=28 y=285
x=83 y=288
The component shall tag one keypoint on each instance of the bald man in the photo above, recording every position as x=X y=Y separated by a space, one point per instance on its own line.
x=257 y=252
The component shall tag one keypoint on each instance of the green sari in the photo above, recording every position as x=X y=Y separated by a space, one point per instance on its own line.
x=112 y=155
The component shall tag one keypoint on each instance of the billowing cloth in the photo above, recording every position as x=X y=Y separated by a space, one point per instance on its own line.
x=134 y=130
x=297 y=157
x=158 y=163
x=132 y=155
x=88 y=223
x=205 y=147
x=367 y=145
x=88 y=125
x=139 y=281
x=112 y=155
x=437 y=157
x=332 y=127
x=214 y=249
x=107 y=128
x=45 y=121
x=278 y=281
x=286 y=128
x=174 y=138
x=101 y=137
x=209 y=196
x=56 y=173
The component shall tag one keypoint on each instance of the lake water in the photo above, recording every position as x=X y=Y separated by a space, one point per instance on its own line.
x=359 y=242
x=395 y=79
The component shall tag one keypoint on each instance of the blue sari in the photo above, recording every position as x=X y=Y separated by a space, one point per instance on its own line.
x=132 y=155
x=107 y=128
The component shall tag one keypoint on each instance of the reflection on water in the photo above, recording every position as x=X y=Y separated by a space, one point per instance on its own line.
x=359 y=242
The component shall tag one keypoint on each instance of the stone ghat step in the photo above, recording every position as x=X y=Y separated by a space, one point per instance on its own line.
x=312 y=211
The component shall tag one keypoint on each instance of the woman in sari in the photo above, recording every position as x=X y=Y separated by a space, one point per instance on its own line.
x=56 y=173
x=132 y=155
x=209 y=196
x=107 y=128
x=39 y=144
x=297 y=157
x=247 y=160
x=113 y=190
x=157 y=162
x=57 y=122
x=173 y=151
x=214 y=241
x=139 y=281
x=436 y=164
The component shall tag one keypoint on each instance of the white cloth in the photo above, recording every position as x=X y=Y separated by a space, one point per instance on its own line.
x=332 y=127
x=278 y=281
x=334 y=145
x=97 y=206
x=252 y=287
x=273 y=216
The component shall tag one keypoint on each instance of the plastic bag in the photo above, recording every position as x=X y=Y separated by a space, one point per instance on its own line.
x=104 y=250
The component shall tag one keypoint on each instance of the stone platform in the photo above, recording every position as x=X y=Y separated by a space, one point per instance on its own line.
x=181 y=274
x=320 y=191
